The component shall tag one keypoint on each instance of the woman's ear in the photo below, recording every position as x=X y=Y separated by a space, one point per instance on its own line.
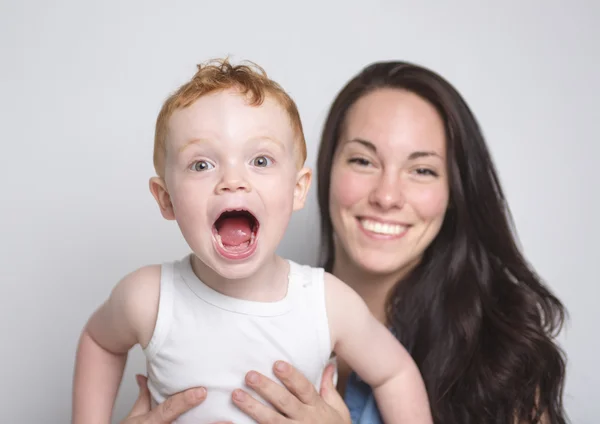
x=303 y=180
x=158 y=188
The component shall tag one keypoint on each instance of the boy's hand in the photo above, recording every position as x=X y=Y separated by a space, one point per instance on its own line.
x=167 y=411
x=299 y=403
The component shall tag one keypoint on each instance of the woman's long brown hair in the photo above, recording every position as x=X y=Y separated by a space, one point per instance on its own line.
x=476 y=318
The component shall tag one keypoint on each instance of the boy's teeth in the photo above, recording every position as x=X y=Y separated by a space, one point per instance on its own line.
x=379 y=228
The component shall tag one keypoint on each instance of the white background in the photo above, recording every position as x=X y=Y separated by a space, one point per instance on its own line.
x=81 y=83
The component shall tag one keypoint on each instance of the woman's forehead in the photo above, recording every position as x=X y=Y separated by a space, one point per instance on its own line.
x=393 y=119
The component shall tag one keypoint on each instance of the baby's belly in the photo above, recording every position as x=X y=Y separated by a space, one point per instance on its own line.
x=220 y=385
x=196 y=356
x=217 y=407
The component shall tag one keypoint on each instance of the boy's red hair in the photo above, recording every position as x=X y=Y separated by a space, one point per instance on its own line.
x=220 y=74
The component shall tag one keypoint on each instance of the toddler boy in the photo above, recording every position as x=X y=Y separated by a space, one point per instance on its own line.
x=229 y=155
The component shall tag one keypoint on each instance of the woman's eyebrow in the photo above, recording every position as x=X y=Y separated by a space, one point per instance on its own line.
x=421 y=154
x=414 y=155
x=365 y=143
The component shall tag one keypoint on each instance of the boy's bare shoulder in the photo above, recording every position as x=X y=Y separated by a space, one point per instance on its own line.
x=146 y=278
x=345 y=308
x=129 y=314
x=337 y=291
x=137 y=295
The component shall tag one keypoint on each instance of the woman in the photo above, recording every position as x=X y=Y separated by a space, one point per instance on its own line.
x=414 y=219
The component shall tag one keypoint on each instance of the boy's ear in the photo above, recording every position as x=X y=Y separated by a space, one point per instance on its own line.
x=158 y=188
x=303 y=180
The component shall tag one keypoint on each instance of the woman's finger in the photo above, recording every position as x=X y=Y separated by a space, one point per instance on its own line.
x=176 y=405
x=142 y=403
x=296 y=383
x=330 y=394
x=260 y=412
x=275 y=394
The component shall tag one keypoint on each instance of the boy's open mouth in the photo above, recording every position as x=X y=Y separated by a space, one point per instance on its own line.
x=235 y=233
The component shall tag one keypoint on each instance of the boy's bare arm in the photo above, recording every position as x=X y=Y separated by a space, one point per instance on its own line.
x=125 y=319
x=376 y=356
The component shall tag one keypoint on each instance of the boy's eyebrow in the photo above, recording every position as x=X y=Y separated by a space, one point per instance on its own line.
x=254 y=140
x=192 y=141
x=276 y=141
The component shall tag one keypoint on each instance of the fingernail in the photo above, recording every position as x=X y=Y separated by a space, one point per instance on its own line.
x=199 y=393
x=252 y=377
x=239 y=395
x=280 y=366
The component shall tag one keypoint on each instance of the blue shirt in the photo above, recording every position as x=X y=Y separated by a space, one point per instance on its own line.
x=360 y=400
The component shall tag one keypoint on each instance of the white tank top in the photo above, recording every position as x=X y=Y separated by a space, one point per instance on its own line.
x=204 y=338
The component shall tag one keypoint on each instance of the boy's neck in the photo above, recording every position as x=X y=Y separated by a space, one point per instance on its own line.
x=268 y=284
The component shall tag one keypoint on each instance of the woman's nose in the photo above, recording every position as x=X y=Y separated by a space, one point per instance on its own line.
x=387 y=194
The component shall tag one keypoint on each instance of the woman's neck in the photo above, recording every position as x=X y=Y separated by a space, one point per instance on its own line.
x=373 y=288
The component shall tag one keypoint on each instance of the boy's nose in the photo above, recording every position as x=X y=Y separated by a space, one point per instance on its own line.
x=231 y=183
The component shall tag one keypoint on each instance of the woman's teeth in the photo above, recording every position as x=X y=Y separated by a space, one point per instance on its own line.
x=380 y=228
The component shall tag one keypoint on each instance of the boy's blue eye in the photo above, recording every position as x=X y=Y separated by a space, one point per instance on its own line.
x=201 y=165
x=261 y=161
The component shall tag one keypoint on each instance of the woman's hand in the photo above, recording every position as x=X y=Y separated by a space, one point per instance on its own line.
x=165 y=412
x=299 y=403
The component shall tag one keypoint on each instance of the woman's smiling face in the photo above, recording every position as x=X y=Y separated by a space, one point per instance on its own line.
x=389 y=185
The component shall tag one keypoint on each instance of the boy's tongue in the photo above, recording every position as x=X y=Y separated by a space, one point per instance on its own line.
x=234 y=230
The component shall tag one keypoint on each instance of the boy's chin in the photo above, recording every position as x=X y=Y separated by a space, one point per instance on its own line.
x=236 y=269
x=230 y=267
x=231 y=270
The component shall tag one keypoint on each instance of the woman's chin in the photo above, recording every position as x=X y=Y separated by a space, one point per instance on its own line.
x=382 y=264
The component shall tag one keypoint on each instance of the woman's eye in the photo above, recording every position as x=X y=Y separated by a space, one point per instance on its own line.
x=426 y=172
x=261 y=161
x=201 y=165
x=360 y=161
